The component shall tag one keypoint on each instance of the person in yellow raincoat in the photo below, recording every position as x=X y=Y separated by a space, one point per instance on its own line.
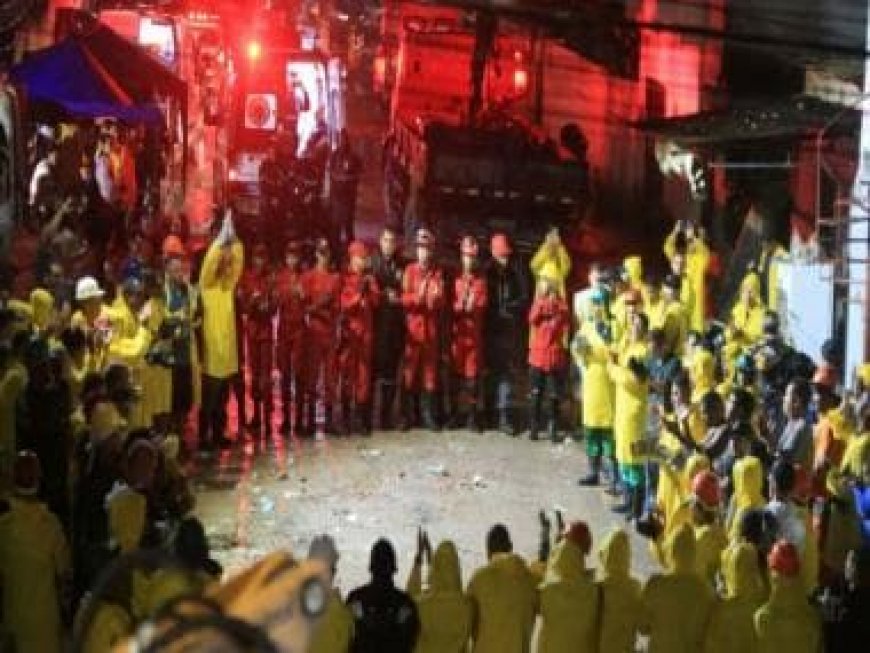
x=569 y=598
x=92 y=318
x=591 y=351
x=620 y=593
x=677 y=317
x=504 y=599
x=334 y=632
x=13 y=380
x=732 y=624
x=445 y=611
x=552 y=254
x=34 y=565
x=747 y=314
x=677 y=604
x=748 y=475
x=771 y=257
x=674 y=499
x=156 y=373
x=218 y=279
x=702 y=372
x=686 y=242
x=129 y=343
x=631 y=382
x=710 y=537
x=787 y=622
x=39 y=312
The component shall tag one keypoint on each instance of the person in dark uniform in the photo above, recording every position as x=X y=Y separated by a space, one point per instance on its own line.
x=387 y=268
x=385 y=618
x=508 y=299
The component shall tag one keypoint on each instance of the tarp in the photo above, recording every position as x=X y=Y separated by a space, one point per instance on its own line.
x=70 y=76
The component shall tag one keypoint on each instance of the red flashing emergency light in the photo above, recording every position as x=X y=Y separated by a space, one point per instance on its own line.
x=254 y=50
x=521 y=81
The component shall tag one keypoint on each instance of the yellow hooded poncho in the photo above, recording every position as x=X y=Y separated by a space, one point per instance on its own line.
x=569 y=603
x=787 y=622
x=732 y=625
x=620 y=595
x=445 y=612
x=748 y=475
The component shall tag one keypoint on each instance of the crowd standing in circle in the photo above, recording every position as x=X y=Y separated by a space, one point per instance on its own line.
x=744 y=463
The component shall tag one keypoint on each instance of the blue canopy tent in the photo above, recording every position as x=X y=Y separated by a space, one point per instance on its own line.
x=69 y=76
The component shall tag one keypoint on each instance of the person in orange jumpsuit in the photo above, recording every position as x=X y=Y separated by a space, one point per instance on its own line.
x=469 y=308
x=257 y=294
x=321 y=288
x=359 y=298
x=423 y=300
x=291 y=328
x=549 y=322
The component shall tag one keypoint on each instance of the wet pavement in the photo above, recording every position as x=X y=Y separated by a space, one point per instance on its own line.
x=455 y=484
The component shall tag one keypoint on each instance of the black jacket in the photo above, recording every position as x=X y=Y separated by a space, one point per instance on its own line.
x=385 y=620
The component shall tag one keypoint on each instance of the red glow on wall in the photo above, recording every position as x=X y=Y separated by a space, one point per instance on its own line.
x=254 y=50
x=521 y=81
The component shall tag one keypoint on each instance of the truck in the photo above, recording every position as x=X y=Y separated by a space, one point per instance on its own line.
x=276 y=93
x=462 y=156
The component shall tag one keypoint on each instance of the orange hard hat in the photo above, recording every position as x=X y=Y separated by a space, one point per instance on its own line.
x=706 y=489
x=578 y=533
x=357 y=249
x=26 y=473
x=500 y=245
x=173 y=247
x=784 y=559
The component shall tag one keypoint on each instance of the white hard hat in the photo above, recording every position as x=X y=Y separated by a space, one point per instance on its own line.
x=88 y=288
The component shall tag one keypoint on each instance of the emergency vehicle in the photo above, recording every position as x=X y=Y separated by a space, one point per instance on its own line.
x=456 y=172
x=275 y=90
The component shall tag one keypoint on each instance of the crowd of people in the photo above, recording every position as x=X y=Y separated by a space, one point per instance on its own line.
x=744 y=463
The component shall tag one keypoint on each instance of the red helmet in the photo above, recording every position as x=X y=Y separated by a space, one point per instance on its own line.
x=500 y=245
x=706 y=489
x=578 y=533
x=784 y=559
x=357 y=249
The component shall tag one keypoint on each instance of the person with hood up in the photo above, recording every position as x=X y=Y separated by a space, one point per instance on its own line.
x=569 y=600
x=219 y=275
x=445 y=611
x=677 y=604
x=747 y=315
x=630 y=377
x=710 y=537
x=38 y=313
x=732 y=624
x=552 y=255
x=549 y=323
x=619 y=596
x=591 y=351
x=34 y=564
x=748 y=474
x=385 y=618
x=334 y=631
x=787 y=622
x=504 y=599
x=687 y=242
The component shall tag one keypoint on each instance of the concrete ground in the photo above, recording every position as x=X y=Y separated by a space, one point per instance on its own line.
x=455 y=484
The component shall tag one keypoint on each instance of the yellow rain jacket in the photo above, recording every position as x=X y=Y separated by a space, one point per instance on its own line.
x=34 y=557
x=748 y=319
x=694 y=283
x=620 y=596
x=748 y=475
x=771 y=258
x=732 y=624
x=220 y=359
x=597 y=387
x=630 y=404
x=677 y=605
x=504 y=599
x=126 y=509
x=95 y=360
x=555 y=263
x=569 y=603
x=156 y=379
x=633 y=266
x=787 y=622
x=702 y=372
x=12 y=384
x=334 y=631
x=110 y=626
x=673 y=499
x=445 y=611
x=710 y=542
x=129 y=344
x=857 y=455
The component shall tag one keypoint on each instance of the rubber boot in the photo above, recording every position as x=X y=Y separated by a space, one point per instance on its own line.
x=592 y=478
x=406 y=421
x=535 y=417
x=624 y=507
x=553 y=423
x=388 y=397
x=472 y=421
x=456 y=403
x=614 y=489
x=363 y=419
x=505 y=423
x=427 y=406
